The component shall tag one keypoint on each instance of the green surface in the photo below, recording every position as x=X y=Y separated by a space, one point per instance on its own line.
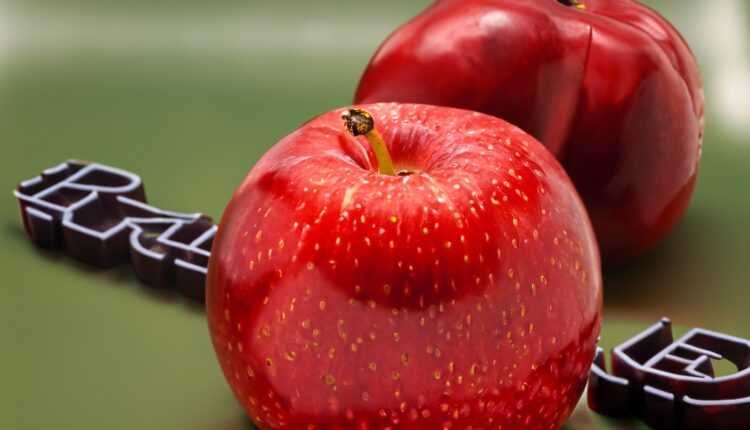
x=189 y=95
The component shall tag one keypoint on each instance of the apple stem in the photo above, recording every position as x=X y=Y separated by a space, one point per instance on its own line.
x=360 y=122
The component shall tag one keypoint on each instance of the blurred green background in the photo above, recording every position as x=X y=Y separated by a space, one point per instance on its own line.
x=188 y=94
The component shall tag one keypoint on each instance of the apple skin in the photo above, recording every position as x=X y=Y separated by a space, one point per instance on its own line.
x=612 y=90
x=464 y=295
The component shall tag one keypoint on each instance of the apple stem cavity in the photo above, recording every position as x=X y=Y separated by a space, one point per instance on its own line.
x=576 y=3
x=360 y=122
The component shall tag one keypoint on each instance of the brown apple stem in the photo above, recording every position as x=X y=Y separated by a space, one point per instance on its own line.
x=360 y=122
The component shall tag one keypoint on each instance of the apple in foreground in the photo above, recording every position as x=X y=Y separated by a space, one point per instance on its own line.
x=609 y=86
x=445 y=275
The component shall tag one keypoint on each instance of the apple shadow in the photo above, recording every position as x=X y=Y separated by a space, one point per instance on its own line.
x=241 y=423
x=583 y=419
x=655 y=280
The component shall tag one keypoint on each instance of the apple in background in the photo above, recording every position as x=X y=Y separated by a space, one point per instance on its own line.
x=448 y=279
x=609 y=86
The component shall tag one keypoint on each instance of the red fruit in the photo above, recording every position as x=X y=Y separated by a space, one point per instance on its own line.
x=609 y=86
x=464 y=294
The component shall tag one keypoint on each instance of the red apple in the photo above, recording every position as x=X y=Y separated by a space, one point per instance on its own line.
x=609 y=86
x=462 y=292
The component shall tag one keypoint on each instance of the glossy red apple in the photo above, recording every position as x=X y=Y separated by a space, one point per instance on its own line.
x=609 y=86
x=462 y=292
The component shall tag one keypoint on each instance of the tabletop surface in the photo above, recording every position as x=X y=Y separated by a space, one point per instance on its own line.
x=189 y=95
